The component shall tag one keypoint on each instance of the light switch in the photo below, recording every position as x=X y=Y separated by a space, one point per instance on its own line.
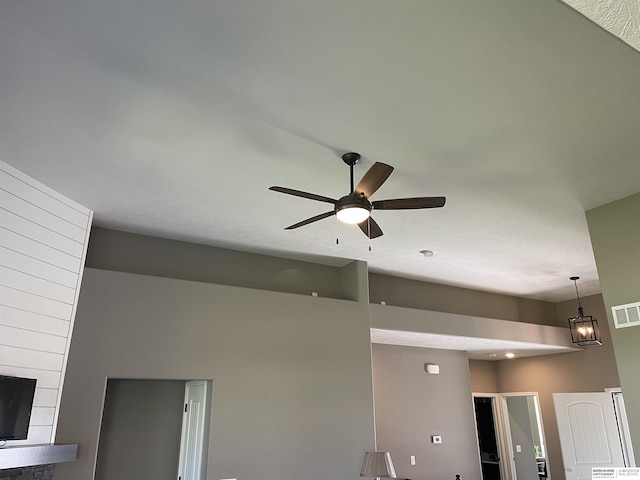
x=519 y=448
x=413 y=459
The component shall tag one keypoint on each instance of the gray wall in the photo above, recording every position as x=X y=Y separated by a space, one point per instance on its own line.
x=402 y=292
x=127 y=252
x=412 y=405
x=590 y=370
x=141 y=429
x=172 y=336
x=483 y=376
x=293 y=388
x=615 y=236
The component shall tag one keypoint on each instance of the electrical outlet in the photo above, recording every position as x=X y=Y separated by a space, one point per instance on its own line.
x=413 y=459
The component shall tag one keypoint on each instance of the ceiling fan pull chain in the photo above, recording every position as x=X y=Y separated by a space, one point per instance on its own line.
x=337 y=241
x=369 y=229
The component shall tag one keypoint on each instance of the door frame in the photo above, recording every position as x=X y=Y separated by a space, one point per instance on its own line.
x=623 y=425
x=507 y=429
x=503 y=430
x=498 y=422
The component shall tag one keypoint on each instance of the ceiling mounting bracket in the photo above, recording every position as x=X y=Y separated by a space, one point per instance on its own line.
x=351 y=158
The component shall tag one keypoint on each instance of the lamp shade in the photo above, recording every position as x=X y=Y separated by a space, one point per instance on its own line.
x=377 y=465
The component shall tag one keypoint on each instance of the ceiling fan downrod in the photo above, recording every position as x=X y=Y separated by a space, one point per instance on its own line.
x=351 y=158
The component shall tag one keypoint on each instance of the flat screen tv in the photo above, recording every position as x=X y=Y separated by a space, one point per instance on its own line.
x=16 y=400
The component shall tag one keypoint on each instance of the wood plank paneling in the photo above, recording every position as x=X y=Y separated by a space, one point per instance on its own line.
x=22 y=357
x=30 y=340
x=36 y=196
x=29 y=229
x=42 y=416
x=37 y=435
x=43 y=245
x=24 y=209
x=45 y=397
x=36 y=286
x=40 y=251
x=34 y=303
x=13 y=317
x=37 y=268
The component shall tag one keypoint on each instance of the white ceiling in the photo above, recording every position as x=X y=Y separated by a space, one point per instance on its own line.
x=173 y=118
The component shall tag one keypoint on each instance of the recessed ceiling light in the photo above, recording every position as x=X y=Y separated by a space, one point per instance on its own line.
x=427 y=253
x=509 y=355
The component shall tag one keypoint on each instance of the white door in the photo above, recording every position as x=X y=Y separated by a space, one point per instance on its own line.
x=192 y=441
x=588 y=433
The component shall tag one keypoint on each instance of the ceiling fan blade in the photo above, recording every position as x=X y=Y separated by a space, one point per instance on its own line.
x=373 y=179
x=311 y=220
x=298 y=193
x=370 y=228
x=409 y=203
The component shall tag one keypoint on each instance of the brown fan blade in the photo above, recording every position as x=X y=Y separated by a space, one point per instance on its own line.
x=311 y=220
x=409 y=203
x=373 y=179
x=298 y=193
x=370 y=228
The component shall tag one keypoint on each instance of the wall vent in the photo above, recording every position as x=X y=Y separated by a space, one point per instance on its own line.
x=626 y=315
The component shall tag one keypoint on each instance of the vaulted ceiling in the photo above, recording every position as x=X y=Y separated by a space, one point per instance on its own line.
x=172 y=118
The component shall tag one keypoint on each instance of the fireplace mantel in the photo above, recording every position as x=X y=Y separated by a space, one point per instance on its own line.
x=28 y=455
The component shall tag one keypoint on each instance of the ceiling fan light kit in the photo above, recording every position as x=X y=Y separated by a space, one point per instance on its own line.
x=353 y=214
x=355 y=208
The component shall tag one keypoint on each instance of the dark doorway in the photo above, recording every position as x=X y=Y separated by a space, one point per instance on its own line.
x=487 y=441
x=140 y=432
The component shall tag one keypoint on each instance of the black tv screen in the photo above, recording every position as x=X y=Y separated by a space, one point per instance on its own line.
x=16 y=399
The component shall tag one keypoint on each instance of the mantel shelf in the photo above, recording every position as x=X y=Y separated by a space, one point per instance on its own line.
x=29 y=455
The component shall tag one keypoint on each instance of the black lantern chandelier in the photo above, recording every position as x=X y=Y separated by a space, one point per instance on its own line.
x=584 y=328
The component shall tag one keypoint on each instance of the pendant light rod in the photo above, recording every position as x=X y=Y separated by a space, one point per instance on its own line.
x=575 y=283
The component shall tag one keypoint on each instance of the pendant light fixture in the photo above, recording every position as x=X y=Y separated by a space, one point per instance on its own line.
x=584 y=328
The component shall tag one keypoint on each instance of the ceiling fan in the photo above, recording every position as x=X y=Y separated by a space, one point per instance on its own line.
x=355 y=208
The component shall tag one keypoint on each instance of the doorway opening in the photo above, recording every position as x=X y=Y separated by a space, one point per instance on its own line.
x=510 y=436
x=525 y=436
x=487 y=428
x=147 y=416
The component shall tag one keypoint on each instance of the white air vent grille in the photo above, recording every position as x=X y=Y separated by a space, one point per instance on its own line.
x=626 y=315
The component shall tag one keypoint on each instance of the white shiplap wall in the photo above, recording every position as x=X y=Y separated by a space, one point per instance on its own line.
x=43 y=245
